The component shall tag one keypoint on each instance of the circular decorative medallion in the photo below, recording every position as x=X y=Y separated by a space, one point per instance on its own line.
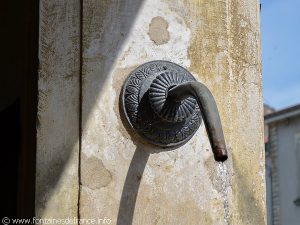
x=149 y=111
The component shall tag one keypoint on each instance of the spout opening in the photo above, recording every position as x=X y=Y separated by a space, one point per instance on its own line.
x=220 y=154
x=221 y=158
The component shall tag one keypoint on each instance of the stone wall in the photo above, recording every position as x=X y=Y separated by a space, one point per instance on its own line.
x=120 y=177
x=57 y=180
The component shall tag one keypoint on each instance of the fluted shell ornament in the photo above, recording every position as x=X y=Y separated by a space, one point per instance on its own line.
x=162 y=106
x=148 y=110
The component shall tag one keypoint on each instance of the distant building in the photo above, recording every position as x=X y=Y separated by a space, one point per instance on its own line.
x=282 y=138
x=268 y=109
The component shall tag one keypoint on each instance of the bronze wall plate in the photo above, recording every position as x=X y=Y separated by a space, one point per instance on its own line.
x=148 y=110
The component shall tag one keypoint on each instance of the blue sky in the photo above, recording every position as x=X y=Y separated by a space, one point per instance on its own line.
x=280 y=26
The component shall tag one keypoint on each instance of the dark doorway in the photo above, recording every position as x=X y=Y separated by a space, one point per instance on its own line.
x=18 y=101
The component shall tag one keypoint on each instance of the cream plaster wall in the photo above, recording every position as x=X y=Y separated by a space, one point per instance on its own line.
x=121 y=177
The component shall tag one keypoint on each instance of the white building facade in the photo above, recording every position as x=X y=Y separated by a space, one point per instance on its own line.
x=283 y=166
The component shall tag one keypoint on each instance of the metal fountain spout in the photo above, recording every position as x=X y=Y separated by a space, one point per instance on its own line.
x=165 y=105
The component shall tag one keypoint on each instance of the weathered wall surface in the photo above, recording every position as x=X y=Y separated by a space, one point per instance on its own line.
x=128 y=181
x=121 y=177
x=58 y=110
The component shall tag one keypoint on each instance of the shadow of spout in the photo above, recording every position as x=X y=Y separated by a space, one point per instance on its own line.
x=131 y=186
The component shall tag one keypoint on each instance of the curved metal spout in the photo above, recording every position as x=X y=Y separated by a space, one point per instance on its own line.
x=209 y=112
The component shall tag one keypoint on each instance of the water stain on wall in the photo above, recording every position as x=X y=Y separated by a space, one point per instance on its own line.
x=158 y=31
x=94 y=173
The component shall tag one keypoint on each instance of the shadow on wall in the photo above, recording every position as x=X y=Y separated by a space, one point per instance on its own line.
x=105 y=24
x=135 y=173
x=131 y=186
